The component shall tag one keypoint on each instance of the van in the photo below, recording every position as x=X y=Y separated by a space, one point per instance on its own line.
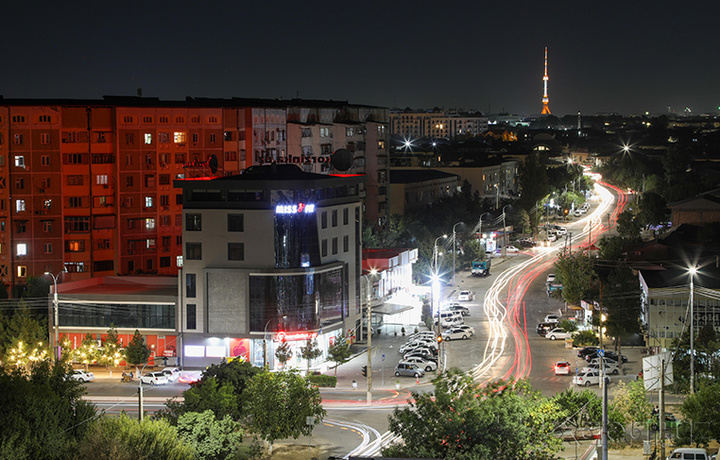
x=688 y=453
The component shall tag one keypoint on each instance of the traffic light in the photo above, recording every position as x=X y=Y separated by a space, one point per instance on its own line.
x=566 y=210
x=439 y=338
x=364 y=371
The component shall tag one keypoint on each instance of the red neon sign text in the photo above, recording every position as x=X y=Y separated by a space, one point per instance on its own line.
x=283 y=336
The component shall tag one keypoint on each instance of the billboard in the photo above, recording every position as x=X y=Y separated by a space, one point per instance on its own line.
x=652 y=372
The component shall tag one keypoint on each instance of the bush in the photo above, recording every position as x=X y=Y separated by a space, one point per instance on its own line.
x=567 y=325
x=323 y=380
x=585 y=339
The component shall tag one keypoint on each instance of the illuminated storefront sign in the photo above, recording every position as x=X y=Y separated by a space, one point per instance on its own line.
x=283 y=336
x=294 y=208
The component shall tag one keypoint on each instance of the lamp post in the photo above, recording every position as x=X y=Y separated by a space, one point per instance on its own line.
x=266 y=364
x=454 y=251
x=56 y=315
x=369 y=336
x=692 y=271
x=504 y=249
x=435 y=253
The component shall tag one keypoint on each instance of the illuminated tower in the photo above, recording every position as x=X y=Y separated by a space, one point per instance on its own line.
x=546 y=99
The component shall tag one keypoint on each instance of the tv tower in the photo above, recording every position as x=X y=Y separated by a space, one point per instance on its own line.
x=545 y=99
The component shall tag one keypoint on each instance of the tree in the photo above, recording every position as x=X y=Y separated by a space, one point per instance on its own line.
x=630 y=401
x=278 y=404
x=110 y=354
x=701 y=414
x=459 y=420
x=621 y=299
x=37 y=286
x=23 y=326
x=212 y=396
x=611 y=247
x=87 y=352
x=575 y=272
x=212 y=439
x=340 y=351
x=121 y=438
x=653 y=209
x=567 y=325
x=283 y=353
x=627 y=225
x=43 y=414
x=534 y=185
x=580 y=409
x=309 y=352
x=237 y=373
x=137 y=352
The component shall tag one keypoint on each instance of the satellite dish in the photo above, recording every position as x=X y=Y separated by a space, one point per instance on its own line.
x=341 y=159
x=213 y=163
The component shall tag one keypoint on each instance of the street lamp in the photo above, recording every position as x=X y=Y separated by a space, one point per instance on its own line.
x=265 y=357
x=373 y=272
x=454 y=251
x=55 y=314
x=692 y=271
x=504 y=249
x=435 y=253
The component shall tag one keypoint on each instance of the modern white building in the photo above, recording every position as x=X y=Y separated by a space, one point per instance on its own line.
x=270 y=255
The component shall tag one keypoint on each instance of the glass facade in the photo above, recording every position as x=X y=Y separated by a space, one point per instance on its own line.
x=141 y=316
x=307 y=300
x=296 y=240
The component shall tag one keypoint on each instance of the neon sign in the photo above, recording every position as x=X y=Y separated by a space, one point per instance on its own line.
x=294 y=208
x=283 y=336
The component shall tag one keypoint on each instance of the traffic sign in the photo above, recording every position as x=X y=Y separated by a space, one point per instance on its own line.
x=601 y=352
x=383 y=358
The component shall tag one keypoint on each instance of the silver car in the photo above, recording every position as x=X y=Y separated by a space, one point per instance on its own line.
x=408 y=370
x=425 y=364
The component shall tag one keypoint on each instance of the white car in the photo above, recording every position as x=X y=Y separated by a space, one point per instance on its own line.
x=426 y=364
x=154 y=378
x=465 y=296
x=454 y=334
x=469 y=329
x=172 y=374
x=551 y=319
x=82 y=376
x=550 y=278
x=610 y=368
x=578 y=212
x=587 y=378
x=552 y=237
x=561 y=231
x=408 y=347
x=511 y=249
x=558 y=333
x=422 y=335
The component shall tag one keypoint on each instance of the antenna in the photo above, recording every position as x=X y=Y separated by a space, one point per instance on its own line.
x=545 y=99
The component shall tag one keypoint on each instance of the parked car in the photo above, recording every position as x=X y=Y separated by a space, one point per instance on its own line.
x=154 y=378
x=542 y=328
x=510 y=248
x=457 y=308
x=550 y=278
x=561 y=231
x=408 y=347
x=465 y=296
x=558 y=333
x=408 y=370
x=578 y=212
x=469 y=329
x=608 y=354
x=552 y=237
x=688 y=453
x=423 y=353
x=562 y=368
x=172 y=374
x=587 y=378
x=422 y=335
x=454 y=334
x=425 y=364
x=82 y=375
x=610 y=368
x=551 y=319
x=607 y=360
x=583 y=352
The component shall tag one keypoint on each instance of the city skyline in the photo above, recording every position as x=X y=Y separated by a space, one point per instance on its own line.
x=609 y=57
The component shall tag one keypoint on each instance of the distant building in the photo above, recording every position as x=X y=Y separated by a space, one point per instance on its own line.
x=413 y=189
x=698 y=210
x=436 y=123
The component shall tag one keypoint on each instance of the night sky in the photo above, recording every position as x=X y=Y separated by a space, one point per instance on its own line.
x=625 y=56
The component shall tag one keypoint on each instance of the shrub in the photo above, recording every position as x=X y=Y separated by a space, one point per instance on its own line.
x=323 y=380
x=585 y=339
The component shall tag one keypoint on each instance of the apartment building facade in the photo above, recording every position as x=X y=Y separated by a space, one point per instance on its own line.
x=436 y=124
x=86 y=185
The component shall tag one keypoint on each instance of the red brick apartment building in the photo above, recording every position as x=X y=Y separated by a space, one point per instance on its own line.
x=86 y=185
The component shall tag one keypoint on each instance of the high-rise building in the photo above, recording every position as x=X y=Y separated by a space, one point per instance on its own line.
x=545 y=99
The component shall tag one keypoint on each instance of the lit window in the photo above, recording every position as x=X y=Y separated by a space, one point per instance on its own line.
x=149 y=224
x=22 y=249
x=21 y=271
x=179 y=137
x=20 y=205
x=102 y=179
x=148 y=202
x=150 y=243
x=148 y=138
x=20 y=161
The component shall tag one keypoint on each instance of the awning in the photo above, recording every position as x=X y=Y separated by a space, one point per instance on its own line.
x=391 y=309
x=575 y=307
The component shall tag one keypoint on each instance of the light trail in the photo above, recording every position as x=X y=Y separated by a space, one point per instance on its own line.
x=503 y=303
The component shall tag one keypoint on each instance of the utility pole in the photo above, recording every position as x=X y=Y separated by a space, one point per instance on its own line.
x=661 y=412
x=604 y=382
